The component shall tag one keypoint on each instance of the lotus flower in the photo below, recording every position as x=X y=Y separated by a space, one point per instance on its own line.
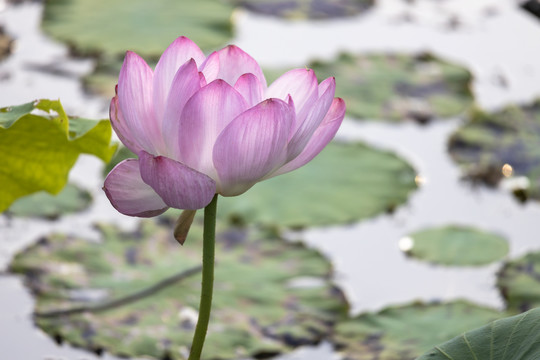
x=206 y=125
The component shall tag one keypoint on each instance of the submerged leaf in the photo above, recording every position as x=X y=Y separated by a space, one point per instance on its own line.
x=502 y=145
x=403 y=333
x=302 y=9
x=39 y=144
x=519 y=283
x=259 y=306
x=457 y=246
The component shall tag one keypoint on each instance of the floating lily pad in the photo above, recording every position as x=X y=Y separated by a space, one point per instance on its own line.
x=516 y=338
x=398 y=87
x=344 y=183
x=270 y=295
x=146 y=27
x=519 y=283
x=408 y=331
x=457 y=246
x=42 y=204
x=302 y=9
x=108 y=28
x=39 y=144
x=492 y=146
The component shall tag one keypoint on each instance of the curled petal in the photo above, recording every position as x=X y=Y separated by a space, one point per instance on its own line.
x=314 y=118
x=253 y=145
x=181 y=50
x=322 y=136
x=204 y=117
x=129 y=194
x=135 y=94
x=186 y=82
x=120 y=127
x=178 y=185
x=250 y=88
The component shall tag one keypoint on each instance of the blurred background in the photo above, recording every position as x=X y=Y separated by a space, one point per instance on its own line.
x=426 y=203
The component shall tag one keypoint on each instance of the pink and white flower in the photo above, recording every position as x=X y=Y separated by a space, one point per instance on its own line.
x=206 y=125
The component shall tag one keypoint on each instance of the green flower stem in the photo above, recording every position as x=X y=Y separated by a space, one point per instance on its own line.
x=209 y=241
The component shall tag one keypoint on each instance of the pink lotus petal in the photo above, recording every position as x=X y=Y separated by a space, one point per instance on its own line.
x=204 y=117
x=253 y=145
x=120 y=127
x=181 y=50
x=135 y=94
x=210 y=67
x=129 y=194
x=301 y=84
x=178 y=185
x=322 y=136
x=250 y=88
x=234 y=62
x=314 y=118
x=186 y=83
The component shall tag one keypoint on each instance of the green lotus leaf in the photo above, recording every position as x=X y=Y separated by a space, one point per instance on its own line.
x=306 y=9
x=405 y=332
x=492 y=146
x=344 y=183
x=270 y=295
x=111 y=28
x=516 y=338
x=457 y=246
x=43 y=204
x=39 y=144
x=107 y=29
x=519 y=283
x=396 y=87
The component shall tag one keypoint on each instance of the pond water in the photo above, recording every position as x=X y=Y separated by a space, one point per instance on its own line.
x=496 y=40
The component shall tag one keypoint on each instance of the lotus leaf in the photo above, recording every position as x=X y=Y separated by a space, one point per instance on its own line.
x=43 y=204
x=457 y=246
x=39 y=144
x=270 y=295
x=516 y=338
x=405 y=332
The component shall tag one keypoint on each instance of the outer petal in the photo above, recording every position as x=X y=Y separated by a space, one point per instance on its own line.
x=314 y=118
x=253 y=145
x=322 y=136
x=301 y=84
x=129 y=194
x=234 y=62
x=120 y=127
x=178 y=185
x=135 y=96
x=204 y=117
x=181 y=50
x=186 y=82
x=250 y=88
